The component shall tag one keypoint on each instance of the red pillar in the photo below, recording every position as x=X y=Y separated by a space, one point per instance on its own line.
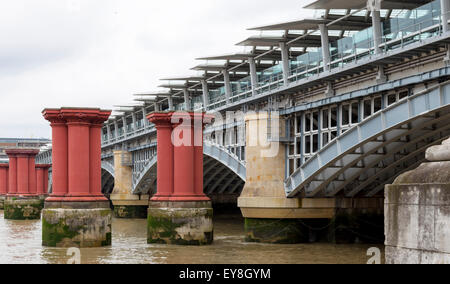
x=42 y=179
x=59 y=152
x=180 y=164
x=78 y=133
x=77 y=159
x=32 y=175
x=95 y=159
x=22 y=179
x=12 y=174
x=39 y=180
x=4 y=179
x=165 y=180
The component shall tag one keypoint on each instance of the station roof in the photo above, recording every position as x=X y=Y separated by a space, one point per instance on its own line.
x=307 y=41
x=359 y=4
x=275 y=55
x=352 y=23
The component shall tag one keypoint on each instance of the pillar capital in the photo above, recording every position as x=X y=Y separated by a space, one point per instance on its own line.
x=22 y=152
x=93 y=116
x=160 y=118
x=76 y=153
x=43 y=166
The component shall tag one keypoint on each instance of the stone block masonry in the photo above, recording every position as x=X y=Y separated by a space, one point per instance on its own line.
x=417 y=212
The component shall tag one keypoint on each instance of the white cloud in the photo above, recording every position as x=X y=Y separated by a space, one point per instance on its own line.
x=57 y=53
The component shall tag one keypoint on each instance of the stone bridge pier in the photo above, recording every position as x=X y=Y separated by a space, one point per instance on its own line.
x=180 y=213
x=76 y=214
x=126 y=204
x=417 y=212
x=22 y=201
x=271 y=217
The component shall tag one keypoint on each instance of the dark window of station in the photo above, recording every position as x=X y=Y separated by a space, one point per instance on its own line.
x=307 y=122
x=299 y=124
x=345 y=114
x=367 y=108
x=334 y=116
x=325 y=139
x=299 y=163
x=315 y=120
x=377 y=104
x=291 y=149
x=315 y=143
x=333 y=135
x=299 y=145
x=403 y=95
x=325 y=119
x=355 y=113
x=308 y=144
x=392 y=99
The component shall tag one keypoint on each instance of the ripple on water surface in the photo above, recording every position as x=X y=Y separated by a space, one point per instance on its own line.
x=20 y=242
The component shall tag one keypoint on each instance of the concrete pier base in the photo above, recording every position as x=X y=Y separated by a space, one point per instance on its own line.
x=83 y=224
x=22 y=208
x=130 y=211
x=130 y=206
x=180 y=223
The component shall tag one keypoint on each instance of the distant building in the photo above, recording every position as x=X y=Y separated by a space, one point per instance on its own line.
x=6 y=143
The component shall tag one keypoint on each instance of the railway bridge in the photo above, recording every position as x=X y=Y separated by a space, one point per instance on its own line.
x=311 y=125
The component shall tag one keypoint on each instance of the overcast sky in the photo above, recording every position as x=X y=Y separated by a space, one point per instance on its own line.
x=97 y=53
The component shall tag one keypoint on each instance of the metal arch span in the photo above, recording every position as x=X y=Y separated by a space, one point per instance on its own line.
x=222 y=172
x=108 y=167
x=374 y=152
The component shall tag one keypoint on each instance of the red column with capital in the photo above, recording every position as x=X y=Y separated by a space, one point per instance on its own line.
x=4 y=171
x=22 y=175
x=77 y=194
x=42 y=179
x=12 y=174
x=76 y=154
x=165 y=166
x=22 y=202
x=180 y=198
x=3 y=183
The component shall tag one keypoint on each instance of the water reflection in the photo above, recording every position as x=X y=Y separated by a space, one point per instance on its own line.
x=20 y=242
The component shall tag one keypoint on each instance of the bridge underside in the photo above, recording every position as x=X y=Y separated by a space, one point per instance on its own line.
x=220 y=182
x=107 y=182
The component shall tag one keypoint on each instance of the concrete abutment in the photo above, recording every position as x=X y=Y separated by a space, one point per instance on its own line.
x=417 y=212
x=273 y=218
x=126 y=204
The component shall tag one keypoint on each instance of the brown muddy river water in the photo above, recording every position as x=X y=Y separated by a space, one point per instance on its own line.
x=20 y=242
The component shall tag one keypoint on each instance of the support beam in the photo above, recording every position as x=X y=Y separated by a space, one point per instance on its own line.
x=377 y=35
x=187 y=100
x=108 y=131
x=116 y=129
x=171 y=108
x=144 y=115
x=445 y=7
x=285 y=61
x=133 y=118
x=124 y=121
x=205 y=92
x=226 y=78
x=253 y=74
x=325 y=46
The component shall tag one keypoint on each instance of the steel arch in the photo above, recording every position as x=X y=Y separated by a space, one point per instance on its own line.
x=349 y=154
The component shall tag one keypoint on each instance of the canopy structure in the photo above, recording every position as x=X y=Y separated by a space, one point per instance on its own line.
x=358 y=4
